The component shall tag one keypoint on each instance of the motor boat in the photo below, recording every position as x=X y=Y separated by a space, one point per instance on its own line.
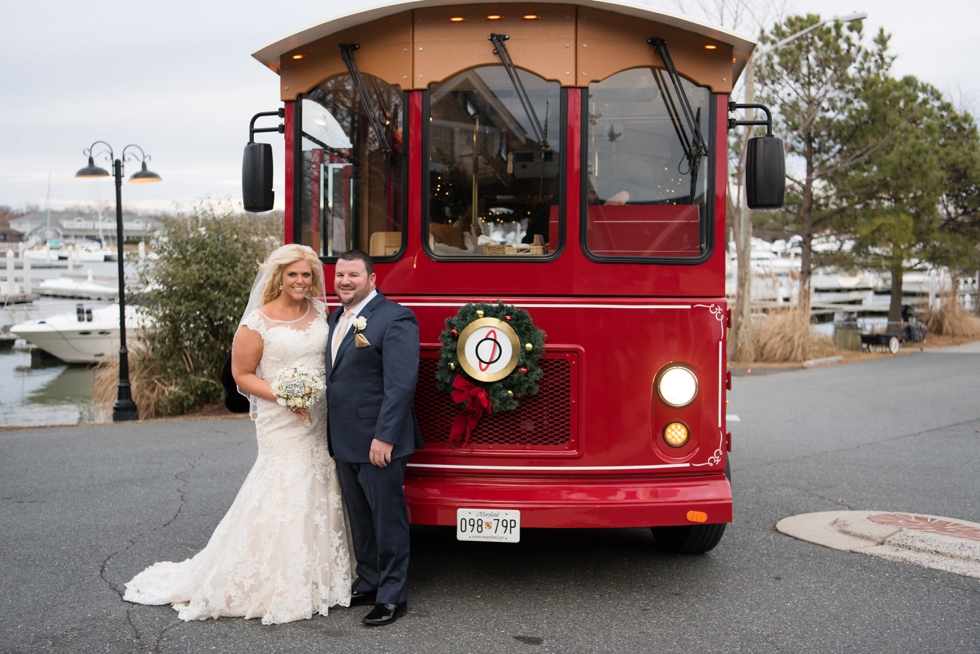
x=88 y=253
x=85 y=336
x=41 y=254
x=73 y=288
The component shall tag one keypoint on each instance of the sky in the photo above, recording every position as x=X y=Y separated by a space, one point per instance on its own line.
x=177 y=79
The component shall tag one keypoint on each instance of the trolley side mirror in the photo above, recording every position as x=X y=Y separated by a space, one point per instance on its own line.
x=765 y=173
x=257 y=193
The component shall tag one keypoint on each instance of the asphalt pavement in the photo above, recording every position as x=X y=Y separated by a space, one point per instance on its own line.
x=83 y=509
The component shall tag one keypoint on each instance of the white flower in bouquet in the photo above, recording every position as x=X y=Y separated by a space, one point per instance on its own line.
x=299 y=388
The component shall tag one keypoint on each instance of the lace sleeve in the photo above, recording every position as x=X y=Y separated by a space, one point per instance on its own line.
x=256 y=323
x=321 y=309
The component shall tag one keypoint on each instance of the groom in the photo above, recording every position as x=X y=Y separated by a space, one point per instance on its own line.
x=372 y=366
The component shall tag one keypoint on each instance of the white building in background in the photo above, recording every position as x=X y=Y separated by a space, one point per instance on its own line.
x=70 y=227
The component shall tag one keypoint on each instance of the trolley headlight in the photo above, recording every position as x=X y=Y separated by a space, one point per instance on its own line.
x=678 y=386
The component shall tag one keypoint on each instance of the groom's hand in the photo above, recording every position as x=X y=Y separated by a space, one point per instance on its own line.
x=380 y=454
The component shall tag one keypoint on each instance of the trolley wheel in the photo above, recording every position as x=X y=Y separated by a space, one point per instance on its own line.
x=893 y=345
x=692 y=539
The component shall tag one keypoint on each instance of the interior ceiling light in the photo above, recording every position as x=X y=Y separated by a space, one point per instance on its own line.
x=457 y=19
x=494 y=17
x=710 y=46
x=530 y=16
x=299 y=56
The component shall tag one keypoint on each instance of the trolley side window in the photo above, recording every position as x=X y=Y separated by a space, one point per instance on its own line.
x=645 y=186
x=352 y=175
x=494 y=165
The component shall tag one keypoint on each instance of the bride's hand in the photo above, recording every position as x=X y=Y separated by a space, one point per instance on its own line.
x=302 y=413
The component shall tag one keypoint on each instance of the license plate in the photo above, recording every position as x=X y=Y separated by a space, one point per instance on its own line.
x=492 y=525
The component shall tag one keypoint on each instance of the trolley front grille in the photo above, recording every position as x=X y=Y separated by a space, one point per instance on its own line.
x=544 y=420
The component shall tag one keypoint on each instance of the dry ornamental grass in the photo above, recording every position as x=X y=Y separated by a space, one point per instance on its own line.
x=786 y=336
x=146 y=385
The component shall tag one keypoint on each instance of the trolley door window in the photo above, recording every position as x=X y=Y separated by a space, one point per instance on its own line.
x=645 y=185
x=352 y=184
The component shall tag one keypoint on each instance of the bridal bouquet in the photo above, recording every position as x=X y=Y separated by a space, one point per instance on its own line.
x=298 y=387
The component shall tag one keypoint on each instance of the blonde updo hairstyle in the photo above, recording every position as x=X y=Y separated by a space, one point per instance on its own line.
x=284 y=257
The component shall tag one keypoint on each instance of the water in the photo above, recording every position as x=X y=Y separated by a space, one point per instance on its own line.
x=35 y=391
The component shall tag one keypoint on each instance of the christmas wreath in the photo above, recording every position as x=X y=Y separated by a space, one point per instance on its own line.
x=475 y=392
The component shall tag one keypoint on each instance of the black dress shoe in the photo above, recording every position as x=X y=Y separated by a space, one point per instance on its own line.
x=357 y=598
x=383 y=614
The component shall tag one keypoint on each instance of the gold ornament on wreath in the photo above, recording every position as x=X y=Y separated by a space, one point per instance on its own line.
x=488 y=360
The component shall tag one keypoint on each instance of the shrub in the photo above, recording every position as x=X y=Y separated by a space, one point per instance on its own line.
x=194 y=294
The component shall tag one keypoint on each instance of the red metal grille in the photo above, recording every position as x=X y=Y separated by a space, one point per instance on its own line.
x=542 y=420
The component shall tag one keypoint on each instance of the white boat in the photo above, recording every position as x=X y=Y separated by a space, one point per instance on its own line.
x=89 y=253
x=85 y=336
x=72 y=288
x=41 y=254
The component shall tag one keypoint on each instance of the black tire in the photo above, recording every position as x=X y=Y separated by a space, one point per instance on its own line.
x=692 y=539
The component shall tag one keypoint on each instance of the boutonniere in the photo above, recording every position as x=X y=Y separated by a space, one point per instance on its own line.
x=360 y=324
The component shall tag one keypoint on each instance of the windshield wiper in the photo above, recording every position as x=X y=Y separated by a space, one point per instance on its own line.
x=540 y=134
x=694 y=145
x=347 y=54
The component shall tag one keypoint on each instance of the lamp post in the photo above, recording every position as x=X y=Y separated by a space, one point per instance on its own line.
x=124 y=408
x=743 y=237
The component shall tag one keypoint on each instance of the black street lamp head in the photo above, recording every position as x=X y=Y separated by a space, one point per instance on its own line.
x=145 y=176
x=91 y=170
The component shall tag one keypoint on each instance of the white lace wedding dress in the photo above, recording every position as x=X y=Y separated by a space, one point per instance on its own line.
x=282 y=552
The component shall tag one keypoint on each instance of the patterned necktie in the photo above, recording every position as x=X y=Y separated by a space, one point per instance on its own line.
x=339 y=336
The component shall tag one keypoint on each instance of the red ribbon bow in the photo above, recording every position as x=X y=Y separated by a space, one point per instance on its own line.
x=477 y=401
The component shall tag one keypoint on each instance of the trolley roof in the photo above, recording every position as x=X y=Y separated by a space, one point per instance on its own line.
x=270 y=54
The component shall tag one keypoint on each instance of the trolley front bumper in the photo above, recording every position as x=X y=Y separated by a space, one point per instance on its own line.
x=572 y=503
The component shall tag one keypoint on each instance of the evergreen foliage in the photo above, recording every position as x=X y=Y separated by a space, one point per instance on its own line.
x=815 y=82
x=517 y=382
x=195 y=294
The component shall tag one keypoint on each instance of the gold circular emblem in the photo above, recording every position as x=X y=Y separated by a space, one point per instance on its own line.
x=488 y=349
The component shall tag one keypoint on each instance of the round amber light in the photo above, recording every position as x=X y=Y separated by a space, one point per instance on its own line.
x=676 y=434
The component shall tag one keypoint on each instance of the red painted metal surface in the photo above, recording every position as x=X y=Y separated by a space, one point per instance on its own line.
x=614 y=349
x=666 y=230
x=571 y=273
x=571 y=502
x=611 y=327
x=288 y=167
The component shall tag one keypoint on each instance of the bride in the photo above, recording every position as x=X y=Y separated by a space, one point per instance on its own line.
x=282 y=552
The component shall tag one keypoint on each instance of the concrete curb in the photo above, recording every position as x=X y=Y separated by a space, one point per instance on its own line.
x=826 y=361
x=928 y=541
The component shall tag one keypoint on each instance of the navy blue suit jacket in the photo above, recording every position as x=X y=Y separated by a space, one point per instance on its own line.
x=370 y=389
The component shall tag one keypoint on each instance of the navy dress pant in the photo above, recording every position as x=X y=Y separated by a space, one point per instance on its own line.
x=375 y=499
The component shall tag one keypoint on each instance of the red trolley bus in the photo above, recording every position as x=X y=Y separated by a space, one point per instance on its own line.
x=564 y=163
